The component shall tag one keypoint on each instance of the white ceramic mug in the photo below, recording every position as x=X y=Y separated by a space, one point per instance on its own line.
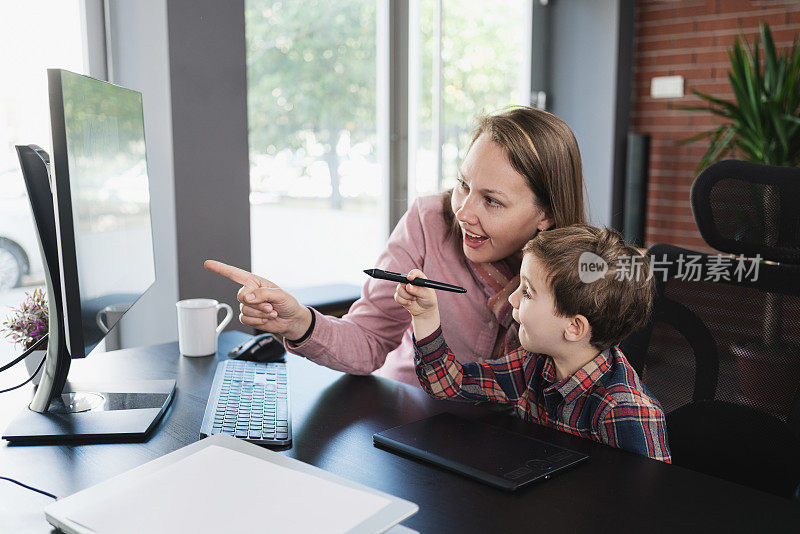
x=197 y=325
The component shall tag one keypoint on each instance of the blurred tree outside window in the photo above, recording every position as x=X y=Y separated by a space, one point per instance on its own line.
x=317 y=200
x=314 y=177
x=484 y=65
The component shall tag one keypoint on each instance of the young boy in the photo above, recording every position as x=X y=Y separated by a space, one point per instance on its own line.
x=568 y=374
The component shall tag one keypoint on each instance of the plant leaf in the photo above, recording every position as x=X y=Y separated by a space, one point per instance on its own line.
x=714 y=148
x=742 y=86
x=779 y=126
x=759 y=82
x=725 y=104
x=751 y=147
x=723 y=146
x=790 y=93
x=754 y=91
x=770 y=56
x=695 y=138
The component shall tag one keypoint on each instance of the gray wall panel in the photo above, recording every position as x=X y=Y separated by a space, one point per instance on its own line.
x=583 y=74
x=209 y=117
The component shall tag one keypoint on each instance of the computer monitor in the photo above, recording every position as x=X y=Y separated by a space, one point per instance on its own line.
x=102 y=195
x=95 y=232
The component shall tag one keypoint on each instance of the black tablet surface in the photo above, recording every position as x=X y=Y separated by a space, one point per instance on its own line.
x=493 y=455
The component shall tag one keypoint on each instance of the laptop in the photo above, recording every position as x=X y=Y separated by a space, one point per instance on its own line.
x=490 y=454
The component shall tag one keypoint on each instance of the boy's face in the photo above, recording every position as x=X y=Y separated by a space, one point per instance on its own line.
x=540 y=329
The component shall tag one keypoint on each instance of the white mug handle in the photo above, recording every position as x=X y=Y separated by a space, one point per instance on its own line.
x=100 y=321
x=228 y=316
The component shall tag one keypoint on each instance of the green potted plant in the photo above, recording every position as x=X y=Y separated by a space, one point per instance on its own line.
x=26 y=325
x=761 y=125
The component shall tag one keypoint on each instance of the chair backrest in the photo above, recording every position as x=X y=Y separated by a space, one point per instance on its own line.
x=722 y=350
x=751 y=209
x=706 y=342
x=710 y=318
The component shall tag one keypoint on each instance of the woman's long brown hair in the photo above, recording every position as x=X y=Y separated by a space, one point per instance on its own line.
x=543 y=149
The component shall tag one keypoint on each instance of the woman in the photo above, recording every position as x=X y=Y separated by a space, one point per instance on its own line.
x=522 y=174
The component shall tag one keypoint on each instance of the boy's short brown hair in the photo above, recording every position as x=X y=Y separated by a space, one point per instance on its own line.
x=615 y=304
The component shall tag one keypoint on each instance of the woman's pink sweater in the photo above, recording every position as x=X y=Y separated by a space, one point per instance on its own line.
x=375 y=335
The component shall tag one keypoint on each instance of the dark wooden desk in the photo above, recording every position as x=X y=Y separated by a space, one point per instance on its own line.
x=334 y=417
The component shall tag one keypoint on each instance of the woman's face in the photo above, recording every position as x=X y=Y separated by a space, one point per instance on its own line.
x=496 y=210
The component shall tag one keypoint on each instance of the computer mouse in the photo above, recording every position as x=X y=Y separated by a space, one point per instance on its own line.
x=260 y=348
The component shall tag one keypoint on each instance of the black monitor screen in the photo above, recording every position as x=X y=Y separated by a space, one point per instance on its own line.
x=107 y=191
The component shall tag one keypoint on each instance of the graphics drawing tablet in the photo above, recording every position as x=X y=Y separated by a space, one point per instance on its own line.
x=487 y=453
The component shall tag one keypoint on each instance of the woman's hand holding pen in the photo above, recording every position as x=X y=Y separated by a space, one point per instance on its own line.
x=263 y=305
x=421 y=303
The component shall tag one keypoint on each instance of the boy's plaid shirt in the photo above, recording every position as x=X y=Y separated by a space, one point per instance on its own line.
x=604 y=400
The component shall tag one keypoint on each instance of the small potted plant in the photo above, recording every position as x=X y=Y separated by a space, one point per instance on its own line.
x=26 y=325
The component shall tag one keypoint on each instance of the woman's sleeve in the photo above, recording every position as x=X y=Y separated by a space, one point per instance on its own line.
x=359 y=342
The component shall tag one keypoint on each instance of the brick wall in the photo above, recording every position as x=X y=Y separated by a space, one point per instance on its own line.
x=689 y=38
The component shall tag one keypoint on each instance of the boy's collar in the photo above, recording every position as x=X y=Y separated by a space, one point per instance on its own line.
x=581 y=380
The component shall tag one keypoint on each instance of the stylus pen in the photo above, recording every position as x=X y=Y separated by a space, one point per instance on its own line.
x=422 y=282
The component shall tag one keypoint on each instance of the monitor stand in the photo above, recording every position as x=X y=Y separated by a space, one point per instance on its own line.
x=62 y=411
x=99 y=412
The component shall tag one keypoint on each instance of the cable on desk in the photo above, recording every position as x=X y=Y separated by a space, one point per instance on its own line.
x=25 y=354
x=3 y=368
x=30 y=487
x=41 y=363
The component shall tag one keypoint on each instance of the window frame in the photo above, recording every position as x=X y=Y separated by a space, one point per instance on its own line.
x=403 y=136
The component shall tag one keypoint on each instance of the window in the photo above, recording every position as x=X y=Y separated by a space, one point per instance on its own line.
x=311 y=78
x=467 y=57
x=312 y=71
x=34 y=36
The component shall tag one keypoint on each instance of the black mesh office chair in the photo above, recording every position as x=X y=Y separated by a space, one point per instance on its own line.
x=722 y=351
